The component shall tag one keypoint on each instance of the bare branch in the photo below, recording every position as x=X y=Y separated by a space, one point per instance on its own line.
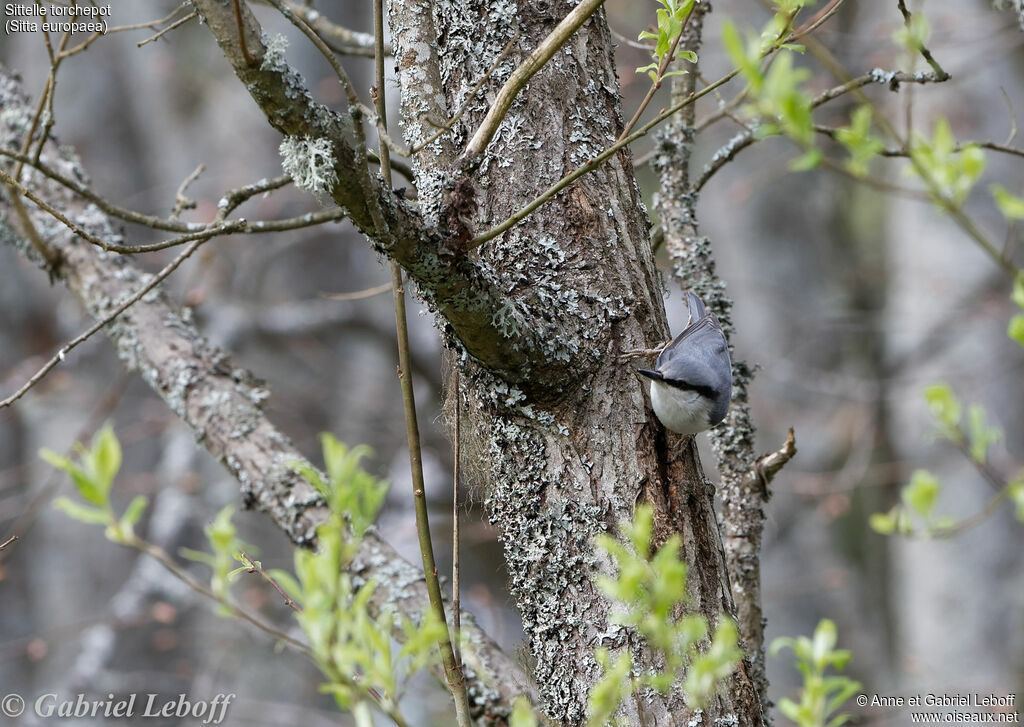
x=455 y=285
x=339 y=39
x=925 y=53
x=85 y=335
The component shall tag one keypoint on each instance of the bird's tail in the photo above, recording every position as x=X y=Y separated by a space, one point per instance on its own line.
x=696 y=305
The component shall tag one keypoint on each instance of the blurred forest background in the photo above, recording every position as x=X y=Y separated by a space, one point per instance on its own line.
x=849 y=298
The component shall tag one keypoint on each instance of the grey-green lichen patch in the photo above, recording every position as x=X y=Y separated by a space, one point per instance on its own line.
x=15 y=122
x=273 y=57
x=310 y=163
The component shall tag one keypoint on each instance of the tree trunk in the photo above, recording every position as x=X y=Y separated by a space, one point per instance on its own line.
x=568 y=444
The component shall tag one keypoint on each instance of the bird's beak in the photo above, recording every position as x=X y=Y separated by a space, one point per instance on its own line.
x=651 y=374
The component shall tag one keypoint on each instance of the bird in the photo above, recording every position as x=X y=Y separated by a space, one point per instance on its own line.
x=691 y=383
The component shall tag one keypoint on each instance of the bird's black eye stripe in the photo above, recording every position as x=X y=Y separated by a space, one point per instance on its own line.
x=706 y=391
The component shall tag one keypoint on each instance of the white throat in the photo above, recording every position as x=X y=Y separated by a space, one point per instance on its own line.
x=684 y=412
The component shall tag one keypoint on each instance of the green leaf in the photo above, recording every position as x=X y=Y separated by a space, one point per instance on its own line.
x=1016 y=329
x=221 y=532
x=133 y=512
x=972 y=161
x=790 y=709
x=914 y=34
x=944 y=404
x=106 y=458
x=1009 y=204
x=921 y=493
x=1016 y=492
x=522 y=714
x=747 y=63
x=810 y=159
x=85 y=485
x=197 y=556
x=311 y=475
x=859 y=141
x=1017 y=296
x=825 y=637
x=606 y=696
x=981 y=435
x=82 y=513
x=882 y=523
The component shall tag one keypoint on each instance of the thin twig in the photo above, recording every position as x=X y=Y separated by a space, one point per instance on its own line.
x=359 y=294
x=161 y=33
x=254 y=566
x=993 y=504
x=339 y=39
x=456 y=475
x=453 y=673
x=950 y=206
x=960 y=146
x=355 y=110
x=660 y=77
x=218 y=227
x=181 y=202
x=925 y=53
x=59 y=356
x=299 y=22
x=249 y=60
x=646 y=47
x=164 y=559
x=10 y=541
x=533 y=63
x=1013 y=118
x=127 y=215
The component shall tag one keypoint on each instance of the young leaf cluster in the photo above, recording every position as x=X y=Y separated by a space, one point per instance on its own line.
x=780 y=103
x=352 y=649
x=648 y=593
x=917 y=503
x=822 y=695
x=672 y=16
x=93 y=476
x=952 y=169
x=858 y=140
x=227 y=549
x=915 y=513
x=350 y=491
x=978 y=436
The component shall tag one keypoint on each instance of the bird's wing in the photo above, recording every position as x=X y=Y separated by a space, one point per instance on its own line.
x=699 y=356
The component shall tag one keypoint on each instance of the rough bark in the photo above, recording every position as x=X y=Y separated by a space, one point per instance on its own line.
x=570 y=457
x=222 y=404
